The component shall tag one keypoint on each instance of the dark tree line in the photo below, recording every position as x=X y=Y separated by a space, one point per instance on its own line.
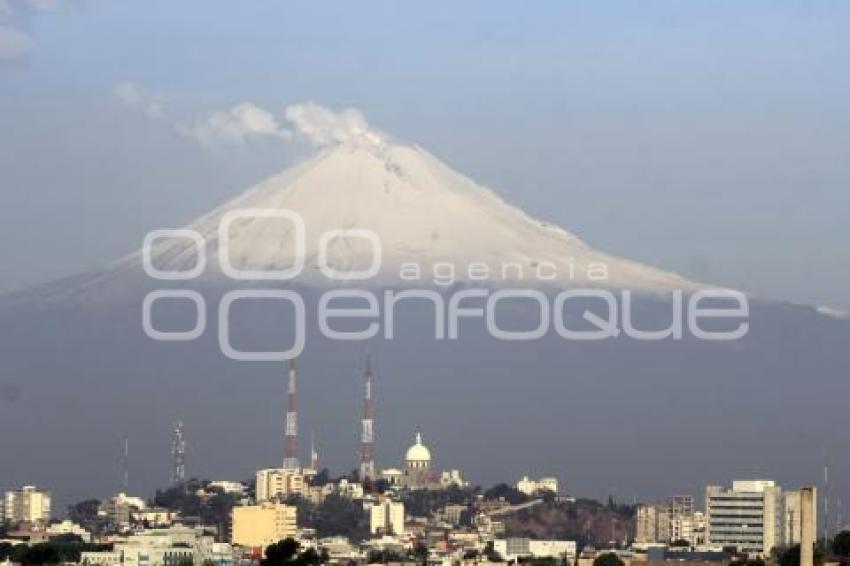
x=52 y=552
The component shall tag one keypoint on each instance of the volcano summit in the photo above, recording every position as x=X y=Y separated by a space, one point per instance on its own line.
x=433 y=223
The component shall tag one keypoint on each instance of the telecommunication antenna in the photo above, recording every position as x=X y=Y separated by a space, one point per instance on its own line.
x=178 y=455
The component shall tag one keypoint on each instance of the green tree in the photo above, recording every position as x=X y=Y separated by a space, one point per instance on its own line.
x=419 y=551
x=491 y=553
x=384 y=557
x=509 y=493
x=281 y=553
x=790 y=555
x=608 y=559
x=841 y=544
x=5 y=550
x=341 y=516
x=285 y=553
x=85 y=512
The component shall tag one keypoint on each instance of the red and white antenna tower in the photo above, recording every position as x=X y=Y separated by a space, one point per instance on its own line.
x=367 y=435
x=290 y=457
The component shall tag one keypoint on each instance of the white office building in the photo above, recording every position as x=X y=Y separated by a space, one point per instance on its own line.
x=747 y=516
x=278 y=483
x=386 y=517
x=514 y=548
x=27 y=505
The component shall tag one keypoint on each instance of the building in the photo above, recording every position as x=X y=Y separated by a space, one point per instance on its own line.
x=386 y=518
x=452 y=478
x=67 y=527
x=163 y=547
x=747 y=516
x=349 y=489
x=667 y=521
x=792 y=517
x=27 y=505
x=511 y=549
x=263 y=524
x=393 y=476
x=417 y=465
x=532 y=487
x=453 y=514
x=278 y=483
x=154 y=517
x=646 y=523
x=119 y=509
x=228 y=486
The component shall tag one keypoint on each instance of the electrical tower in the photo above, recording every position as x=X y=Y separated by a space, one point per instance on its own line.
x=290 y=457
x=178 y=455
x=125 y=464
x=367 y=434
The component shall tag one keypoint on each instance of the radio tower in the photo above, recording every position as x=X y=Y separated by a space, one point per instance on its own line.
x=314 y=454
x=178 y=455
x=125 y=464
x=290 y=457
x=367 y=436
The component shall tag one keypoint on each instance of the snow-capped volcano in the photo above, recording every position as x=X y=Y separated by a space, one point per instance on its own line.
x=423 y=212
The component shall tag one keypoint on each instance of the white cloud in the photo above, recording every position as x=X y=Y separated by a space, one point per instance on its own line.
x=325 y=127
x=134 y=96
x=13 y=43
x=15 y=19
x=54 y=5
x=241 y=123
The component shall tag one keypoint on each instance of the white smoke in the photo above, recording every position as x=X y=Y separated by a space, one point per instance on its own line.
x=324 y=127
x=319 y=125
x=134 y=96
x=237 y=125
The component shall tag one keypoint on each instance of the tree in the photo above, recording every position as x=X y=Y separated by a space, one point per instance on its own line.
x=5 y=550
x=841 y=544
x=491 y=553
x=681 y=543
x=85 y=514
x=419 y=551
x=321 y=478
x=790 y=555
x=510 y=494
x=340 y=516
x=608 y=559
x=383 y=557
x=281 y=553
x=285 y=553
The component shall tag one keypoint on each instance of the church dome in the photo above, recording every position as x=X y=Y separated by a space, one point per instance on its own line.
x=418 y=452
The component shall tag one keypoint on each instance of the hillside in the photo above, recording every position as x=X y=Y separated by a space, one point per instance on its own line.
x=585 y=521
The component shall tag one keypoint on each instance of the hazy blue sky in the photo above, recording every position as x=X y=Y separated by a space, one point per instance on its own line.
x=711 y=138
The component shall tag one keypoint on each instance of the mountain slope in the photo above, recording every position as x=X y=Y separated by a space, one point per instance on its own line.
x=421 y=210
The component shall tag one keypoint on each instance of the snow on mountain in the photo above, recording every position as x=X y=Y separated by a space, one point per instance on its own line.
x=423 y=212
